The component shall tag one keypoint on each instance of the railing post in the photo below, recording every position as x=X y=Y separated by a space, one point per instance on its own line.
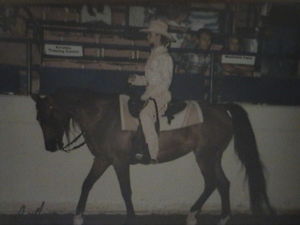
x=211 y=78
x=29 y=64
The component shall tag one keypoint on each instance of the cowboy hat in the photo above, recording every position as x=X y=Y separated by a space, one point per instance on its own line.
x=159 y=27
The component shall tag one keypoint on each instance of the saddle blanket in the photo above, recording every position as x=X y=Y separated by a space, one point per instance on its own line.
x=191 y=115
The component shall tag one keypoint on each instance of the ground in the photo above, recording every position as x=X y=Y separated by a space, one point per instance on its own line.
x=57 y=219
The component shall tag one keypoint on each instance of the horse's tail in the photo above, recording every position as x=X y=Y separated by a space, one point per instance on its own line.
x=246 y=148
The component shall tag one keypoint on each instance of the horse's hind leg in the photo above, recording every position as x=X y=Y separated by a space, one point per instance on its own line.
x=98 y=168
x=223 y=186
x=206 y=162
x=123 y=173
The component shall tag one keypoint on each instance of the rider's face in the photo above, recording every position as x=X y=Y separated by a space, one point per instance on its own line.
x=234 y=44
x=204 y=41
x=153 y=39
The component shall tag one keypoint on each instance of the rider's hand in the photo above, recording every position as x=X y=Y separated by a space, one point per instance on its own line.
x=132 y=79
x=137 y=80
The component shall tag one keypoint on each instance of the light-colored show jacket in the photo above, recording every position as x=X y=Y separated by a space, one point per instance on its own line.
x=158 y=77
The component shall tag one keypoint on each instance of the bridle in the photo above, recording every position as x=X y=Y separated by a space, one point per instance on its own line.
x=66 y=147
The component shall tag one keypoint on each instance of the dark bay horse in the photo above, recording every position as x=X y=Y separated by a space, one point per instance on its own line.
x=98 y=117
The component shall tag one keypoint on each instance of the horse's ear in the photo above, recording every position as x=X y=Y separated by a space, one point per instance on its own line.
x=35 y=97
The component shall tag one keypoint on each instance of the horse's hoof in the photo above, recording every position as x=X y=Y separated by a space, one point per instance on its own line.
x=223 y=221
x=191 y=218
x=139 y=156
x=77 y=220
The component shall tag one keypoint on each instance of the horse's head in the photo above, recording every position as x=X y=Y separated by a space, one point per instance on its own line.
x=53 y=121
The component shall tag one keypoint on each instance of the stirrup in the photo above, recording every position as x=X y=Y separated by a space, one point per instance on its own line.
x=140 y=157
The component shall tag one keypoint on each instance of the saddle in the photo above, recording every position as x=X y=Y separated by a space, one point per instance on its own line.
x=178 y=115
x=174 y=107
x=135 y=105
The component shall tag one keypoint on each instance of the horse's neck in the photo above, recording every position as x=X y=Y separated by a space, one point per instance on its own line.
x=87 y=116
x=85 y=119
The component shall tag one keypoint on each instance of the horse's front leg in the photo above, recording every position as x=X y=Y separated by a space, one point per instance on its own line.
x=98 y=168
x=123 y=173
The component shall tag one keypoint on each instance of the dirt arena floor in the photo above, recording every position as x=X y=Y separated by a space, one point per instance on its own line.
x=57 y=219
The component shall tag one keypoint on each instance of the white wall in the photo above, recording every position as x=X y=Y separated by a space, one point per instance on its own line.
x=30 y=175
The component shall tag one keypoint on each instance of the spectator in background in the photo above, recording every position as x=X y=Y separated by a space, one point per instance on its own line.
x=198 y=63
x=234 y=45
x=13 y=21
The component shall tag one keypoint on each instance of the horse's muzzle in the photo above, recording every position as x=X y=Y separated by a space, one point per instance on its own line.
x=53 y=146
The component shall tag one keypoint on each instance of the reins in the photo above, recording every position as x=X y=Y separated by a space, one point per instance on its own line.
x=64 y=148
x=157 y=124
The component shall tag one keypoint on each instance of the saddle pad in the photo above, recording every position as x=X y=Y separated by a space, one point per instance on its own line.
x=191 y=115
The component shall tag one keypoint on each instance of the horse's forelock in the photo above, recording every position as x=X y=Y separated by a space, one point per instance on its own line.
x=67 y=128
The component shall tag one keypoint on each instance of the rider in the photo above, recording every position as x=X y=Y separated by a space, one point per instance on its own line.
x=157 y=79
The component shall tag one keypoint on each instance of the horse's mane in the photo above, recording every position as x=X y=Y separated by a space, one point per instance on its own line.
x=80 y=96
x=70 y=99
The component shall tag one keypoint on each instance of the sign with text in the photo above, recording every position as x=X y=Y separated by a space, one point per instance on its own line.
x=239 y=59
x=63 y=50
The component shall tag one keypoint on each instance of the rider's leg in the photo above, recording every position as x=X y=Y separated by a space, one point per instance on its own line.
x=148 y=118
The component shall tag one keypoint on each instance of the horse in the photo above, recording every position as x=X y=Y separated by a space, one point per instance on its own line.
x=98 y=117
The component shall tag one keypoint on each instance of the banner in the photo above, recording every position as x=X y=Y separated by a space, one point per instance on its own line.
x=239 y=59
x=63 y=50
